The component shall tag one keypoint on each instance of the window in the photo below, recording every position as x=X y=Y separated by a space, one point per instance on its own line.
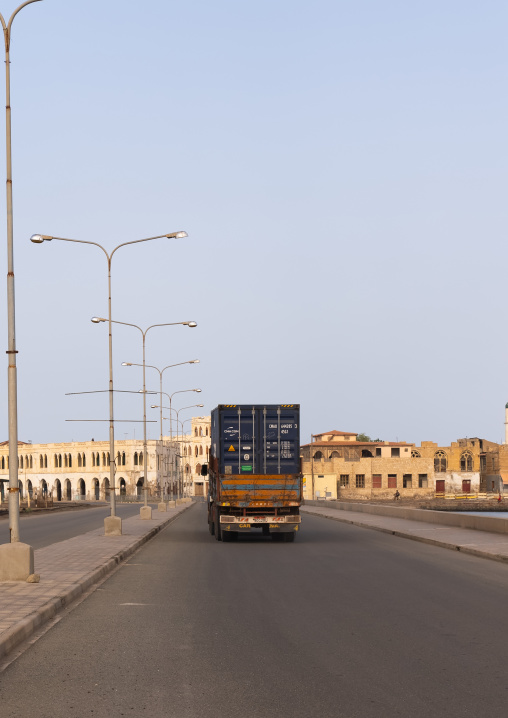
x=318 y=455
x=483 y=463
x=440 y=462
x=344 y=480
x=423 y=481
x=360 y=481
x=123 y=459
x=395 y=452
x=196 y=431
x=140 y=459
x=415 y=454
x=376 y=481
x=79 y=461
x=466 y=461
x=392 y=481
x=407 y=481
x=335 y=455
x=135 y=458
x=378 y=451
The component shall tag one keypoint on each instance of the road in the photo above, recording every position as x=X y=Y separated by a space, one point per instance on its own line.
x=344 y=622
x=43 y=529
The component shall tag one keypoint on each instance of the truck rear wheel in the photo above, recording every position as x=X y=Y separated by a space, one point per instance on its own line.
x=218 y=532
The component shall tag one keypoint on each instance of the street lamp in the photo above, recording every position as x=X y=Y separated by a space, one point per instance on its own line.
x=20 y=563
x=161 y=372
x=113 y=523
x=146 y=511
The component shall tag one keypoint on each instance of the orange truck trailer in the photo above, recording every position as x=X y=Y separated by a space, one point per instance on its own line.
x=255 y=482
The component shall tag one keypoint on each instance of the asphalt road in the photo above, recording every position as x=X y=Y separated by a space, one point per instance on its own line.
x=43 y=529
x=345 y=622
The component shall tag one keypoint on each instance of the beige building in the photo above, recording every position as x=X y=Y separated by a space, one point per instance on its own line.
x=195 y=451
x=335 y=465
x=80 y=470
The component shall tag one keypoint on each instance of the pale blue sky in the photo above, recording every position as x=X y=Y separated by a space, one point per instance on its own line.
x=341 y=169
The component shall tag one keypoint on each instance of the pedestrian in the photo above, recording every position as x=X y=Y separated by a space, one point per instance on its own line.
x=396 y=496
x=499 y=498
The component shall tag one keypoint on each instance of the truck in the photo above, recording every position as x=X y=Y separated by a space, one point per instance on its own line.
x=254 y=476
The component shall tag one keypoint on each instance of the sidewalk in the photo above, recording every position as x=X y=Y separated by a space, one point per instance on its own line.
x=472 y=541
x=68 y=569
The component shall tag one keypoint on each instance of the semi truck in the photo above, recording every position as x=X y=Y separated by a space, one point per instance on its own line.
x=254 y=476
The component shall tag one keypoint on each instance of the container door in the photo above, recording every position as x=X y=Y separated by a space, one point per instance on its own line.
x=238 y=440
x=279 y=446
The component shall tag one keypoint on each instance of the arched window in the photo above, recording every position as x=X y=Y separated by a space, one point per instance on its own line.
x=26 y=462
x=335 y=455
x=56 y=461
x=66 y=460
x=196 y=431
x=466 y=461
x=45 y=461
x=79 y=461
x=201 y=431
x=123 y=459
x=60 y=460
x=196 y=451
x=201 y=450
x=135 y=458
x=20 y=462
x=207 y=431
x=198 y=469
x=103 y=459
x=415 y=454
x=41 y=461
x=2 y=463
x=207 y=451
x=440 y=462
x=31 y=461
x=109 y=459
x=318 y=455
x=140 y=458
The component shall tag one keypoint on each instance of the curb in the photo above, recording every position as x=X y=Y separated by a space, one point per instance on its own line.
x=33 y=621
x=422 y=539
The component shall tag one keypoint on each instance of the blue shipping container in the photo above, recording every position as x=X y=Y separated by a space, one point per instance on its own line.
x=256 y=439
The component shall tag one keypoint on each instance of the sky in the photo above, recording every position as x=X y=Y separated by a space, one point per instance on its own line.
x=341 y=170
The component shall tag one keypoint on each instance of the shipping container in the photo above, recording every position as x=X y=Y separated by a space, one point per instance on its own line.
x=254 y=470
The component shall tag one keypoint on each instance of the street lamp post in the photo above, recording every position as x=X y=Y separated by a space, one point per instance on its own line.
x=161 y=372
x=17 y=559
x=146 y=511
x=113 y=523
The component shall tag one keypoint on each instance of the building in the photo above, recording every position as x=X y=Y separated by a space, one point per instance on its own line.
x=335 y=465
x=195 y=451
x=80 y=470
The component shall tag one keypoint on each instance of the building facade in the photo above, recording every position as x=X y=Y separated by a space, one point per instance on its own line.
x=80 y=470
x=195 y=451
x=335 y=465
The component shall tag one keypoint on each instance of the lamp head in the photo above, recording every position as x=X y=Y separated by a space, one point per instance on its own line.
x=198 y=390
x=194 y=361
x=39 y=238
x=97 y=320
x=126 y=363
x=176 y=235
x=190 y=324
